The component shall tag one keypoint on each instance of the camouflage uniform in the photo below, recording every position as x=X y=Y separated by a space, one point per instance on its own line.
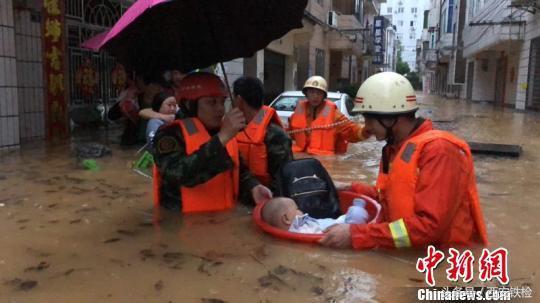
x=278 y=151
x=178 y=169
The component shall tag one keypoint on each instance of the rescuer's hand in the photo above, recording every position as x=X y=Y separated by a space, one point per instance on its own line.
x=365 y=133
x=338 y=236
x=233 y=122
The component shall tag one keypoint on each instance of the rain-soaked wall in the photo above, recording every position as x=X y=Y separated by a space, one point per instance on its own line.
x=484 y=77
x=29 y=74
x=512 y=70
x=9 y=112
x=532 y=31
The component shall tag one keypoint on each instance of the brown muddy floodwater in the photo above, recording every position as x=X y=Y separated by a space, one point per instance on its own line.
x=72 y=235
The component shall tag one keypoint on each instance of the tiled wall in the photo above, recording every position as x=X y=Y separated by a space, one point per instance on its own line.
x=9 y=111
x=29 y=74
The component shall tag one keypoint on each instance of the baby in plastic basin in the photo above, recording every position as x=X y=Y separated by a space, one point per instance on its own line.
x=283 y=213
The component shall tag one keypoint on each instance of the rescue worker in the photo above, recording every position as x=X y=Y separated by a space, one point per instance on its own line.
x=263 y=144
x=328 y=131
x=426 y=181
x=198 y=166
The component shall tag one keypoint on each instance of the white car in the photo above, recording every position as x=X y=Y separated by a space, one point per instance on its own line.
x=286 y=102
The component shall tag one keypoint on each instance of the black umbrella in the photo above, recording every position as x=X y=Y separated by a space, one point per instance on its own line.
x=156 y=35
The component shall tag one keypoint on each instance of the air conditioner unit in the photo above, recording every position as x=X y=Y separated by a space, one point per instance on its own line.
x=332 y=19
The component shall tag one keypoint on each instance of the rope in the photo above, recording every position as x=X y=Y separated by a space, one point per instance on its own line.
x=328 y=126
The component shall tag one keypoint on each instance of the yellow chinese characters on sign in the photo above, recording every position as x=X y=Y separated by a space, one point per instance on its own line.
x=54 y=58
x=56 y=84
x=52 y=7
x=53 y=29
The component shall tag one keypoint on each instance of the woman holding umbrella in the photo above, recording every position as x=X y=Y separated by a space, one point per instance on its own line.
x=198 y=167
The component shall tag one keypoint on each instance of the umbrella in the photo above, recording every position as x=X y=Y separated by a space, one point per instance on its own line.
x=157 y=35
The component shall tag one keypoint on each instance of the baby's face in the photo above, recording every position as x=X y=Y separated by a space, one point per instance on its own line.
x=291 y=209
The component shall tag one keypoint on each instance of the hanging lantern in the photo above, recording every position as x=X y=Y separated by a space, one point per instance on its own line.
x=86 y=78
x=119 y=77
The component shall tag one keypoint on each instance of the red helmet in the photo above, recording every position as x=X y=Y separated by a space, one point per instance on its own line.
x=198 y=85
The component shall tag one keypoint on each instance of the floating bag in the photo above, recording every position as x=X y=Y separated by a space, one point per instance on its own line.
x=307 y=182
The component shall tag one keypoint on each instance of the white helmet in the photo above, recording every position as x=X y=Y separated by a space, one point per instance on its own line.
x=317 y=82
x=385 y=93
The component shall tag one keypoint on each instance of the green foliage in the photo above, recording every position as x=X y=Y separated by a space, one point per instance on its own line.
x=415 y=80
x=402 y=68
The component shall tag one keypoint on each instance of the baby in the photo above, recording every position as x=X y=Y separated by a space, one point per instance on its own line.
x=283 y=213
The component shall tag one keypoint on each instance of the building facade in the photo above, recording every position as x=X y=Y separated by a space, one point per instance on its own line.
x=408 y=17
x=49 y=83
x=484 y=51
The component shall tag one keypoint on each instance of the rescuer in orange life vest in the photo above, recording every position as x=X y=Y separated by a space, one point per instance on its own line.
x=198 y=166
x=328 y=131
x=263 y=144
x=426 y=181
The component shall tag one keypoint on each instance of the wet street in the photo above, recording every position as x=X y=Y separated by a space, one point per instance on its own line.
x=74 y=235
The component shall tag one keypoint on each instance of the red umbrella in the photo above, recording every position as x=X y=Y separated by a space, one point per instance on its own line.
x=157 y=35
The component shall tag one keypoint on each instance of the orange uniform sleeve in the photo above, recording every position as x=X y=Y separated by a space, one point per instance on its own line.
x=349 y=130
x=364 y=189
x=442 y=175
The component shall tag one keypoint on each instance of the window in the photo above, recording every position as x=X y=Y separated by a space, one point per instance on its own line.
x=443 y=20
x=400 y=10
x=359 y=10
x=389 y=10
x=413 y=10
x=412 y=23
x=411 y=36
x=400 y=23
x=449 y=24
x=319 y=61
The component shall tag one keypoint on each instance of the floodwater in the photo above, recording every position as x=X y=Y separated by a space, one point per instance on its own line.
x=74 y=235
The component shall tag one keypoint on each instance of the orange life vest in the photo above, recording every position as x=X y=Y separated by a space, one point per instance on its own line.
x=251 y=143
x=317 y=141
x=216 y=194
x=397 y=188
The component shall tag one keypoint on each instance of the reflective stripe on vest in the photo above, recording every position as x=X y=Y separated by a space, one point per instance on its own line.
x=400 y=234
x=317 y=141
x=252 y=146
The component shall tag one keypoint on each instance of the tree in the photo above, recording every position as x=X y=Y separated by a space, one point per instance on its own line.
x=415 y=80
x=402 y=68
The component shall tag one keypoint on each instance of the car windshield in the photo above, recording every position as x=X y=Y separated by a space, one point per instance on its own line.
x=288 y=103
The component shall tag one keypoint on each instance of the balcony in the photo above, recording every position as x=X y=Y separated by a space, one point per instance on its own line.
x=430 y=59
x=500 y=27
x=348 y=37
x=445 y=47
x=426 y=36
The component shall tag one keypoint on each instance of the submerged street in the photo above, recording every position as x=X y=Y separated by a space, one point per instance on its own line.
x=75 y=235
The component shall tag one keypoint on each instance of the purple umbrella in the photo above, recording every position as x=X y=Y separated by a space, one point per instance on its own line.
x=157 y=35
